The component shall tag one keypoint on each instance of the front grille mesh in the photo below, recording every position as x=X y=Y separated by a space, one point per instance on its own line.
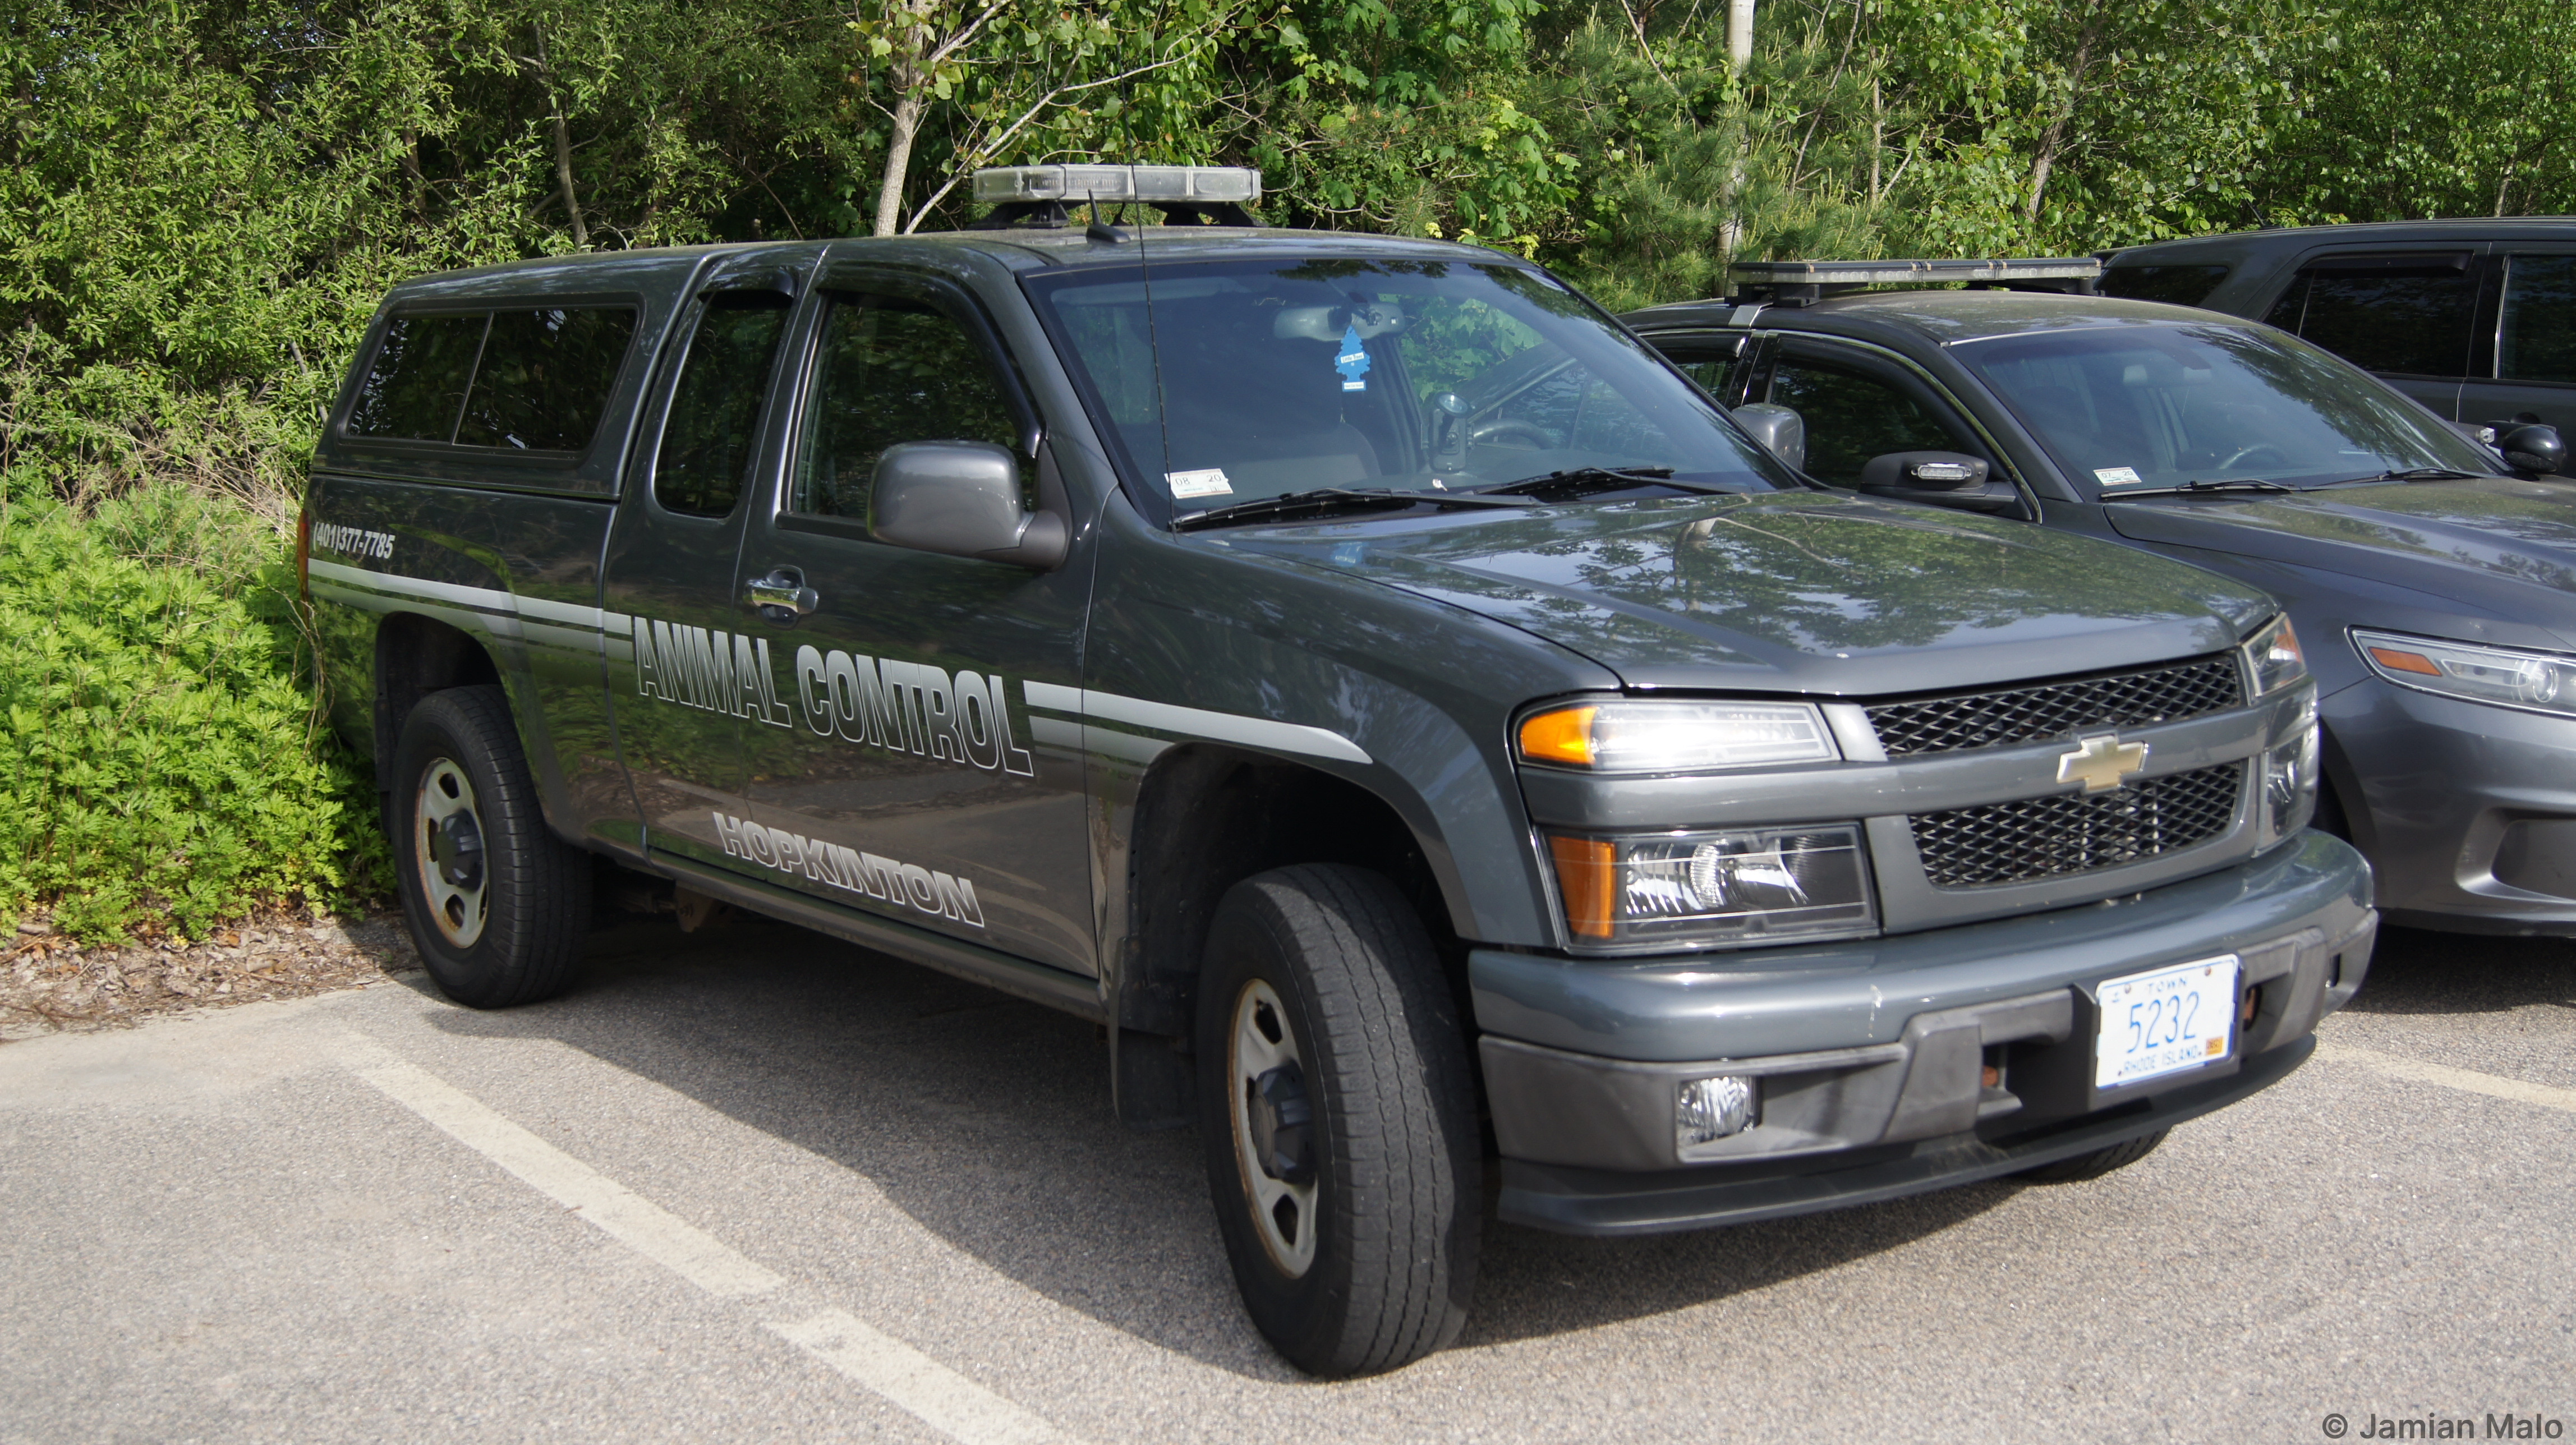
x=2051 y=710
x=2068 y=833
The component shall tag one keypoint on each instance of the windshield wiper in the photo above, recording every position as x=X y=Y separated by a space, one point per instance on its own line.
x=1322 y=501
x=2222 y=484
x=1577 y=481
x=2412 y=474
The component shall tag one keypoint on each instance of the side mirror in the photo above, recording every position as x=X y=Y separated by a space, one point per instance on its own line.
x=1781 y=431
x=962 y=499
x=1940 y=479
x=2534 y=448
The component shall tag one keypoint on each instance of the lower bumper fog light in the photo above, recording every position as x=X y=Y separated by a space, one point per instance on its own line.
x=1716 y=1108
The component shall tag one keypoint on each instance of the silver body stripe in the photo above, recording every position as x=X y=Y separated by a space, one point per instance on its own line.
x=1108 y=742
x=489 y=604
x=1224 y=727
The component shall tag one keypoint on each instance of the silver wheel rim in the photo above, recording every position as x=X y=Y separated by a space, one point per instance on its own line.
x=447 y=808
x=1283 y=1214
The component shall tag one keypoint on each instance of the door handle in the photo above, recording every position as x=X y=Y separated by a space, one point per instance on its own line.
x=782 y=596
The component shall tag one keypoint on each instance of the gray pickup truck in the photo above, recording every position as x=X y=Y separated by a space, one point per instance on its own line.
x=1431 y=737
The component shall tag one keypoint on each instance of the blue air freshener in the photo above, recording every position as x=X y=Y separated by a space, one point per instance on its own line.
x=1353 y=363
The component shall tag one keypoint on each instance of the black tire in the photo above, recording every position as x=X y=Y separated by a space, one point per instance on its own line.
x=2097 y=1163
x=497 y=904
x=1393 y=1189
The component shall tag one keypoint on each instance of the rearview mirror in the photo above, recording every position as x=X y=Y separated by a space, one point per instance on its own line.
x=1940 y=479
x=1781 y=431
x=2534 y=448
x=962 y=499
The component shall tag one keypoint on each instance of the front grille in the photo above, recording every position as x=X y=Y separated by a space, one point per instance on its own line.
x=2051 y=710
x=2075 y=832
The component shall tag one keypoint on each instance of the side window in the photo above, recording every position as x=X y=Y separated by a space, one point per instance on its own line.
x=2413 y=320
x=889 y=370
x=2173 y=285
x=712 y=434
x=545 y=378
x=1851 y=418
x=2536 y=336
x=417 y=384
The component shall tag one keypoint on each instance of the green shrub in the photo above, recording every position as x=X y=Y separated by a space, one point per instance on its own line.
x=165 y=763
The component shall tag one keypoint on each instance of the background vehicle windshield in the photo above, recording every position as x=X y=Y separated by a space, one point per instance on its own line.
x=1279 y=377
x=2136 y=407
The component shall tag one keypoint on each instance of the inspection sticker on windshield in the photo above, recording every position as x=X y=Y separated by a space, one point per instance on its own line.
x=1353 y=363
x=1208 y=483
x=2166 y=1021
x=2117 y=476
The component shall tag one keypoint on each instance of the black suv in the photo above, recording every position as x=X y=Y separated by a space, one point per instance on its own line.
x=2474 y=318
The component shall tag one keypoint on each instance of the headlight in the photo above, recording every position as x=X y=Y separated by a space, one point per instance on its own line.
x=2508 y=677
x=2289 y=799
x=2274 y=655
x=1675 y=737
x=1665 y=890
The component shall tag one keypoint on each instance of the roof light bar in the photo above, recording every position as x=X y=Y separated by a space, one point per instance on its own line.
x=1148 y=185
x=1901 y=273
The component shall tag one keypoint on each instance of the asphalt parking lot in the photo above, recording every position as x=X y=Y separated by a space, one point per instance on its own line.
x=754 y=1185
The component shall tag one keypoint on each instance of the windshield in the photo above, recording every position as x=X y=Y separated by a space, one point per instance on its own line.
x=2140 y=407
x=1281 y=377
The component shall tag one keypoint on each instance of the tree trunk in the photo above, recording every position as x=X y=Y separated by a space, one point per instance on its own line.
x=2051 y=138
x=563 y=144
x=1739 y=54
x=907 y=123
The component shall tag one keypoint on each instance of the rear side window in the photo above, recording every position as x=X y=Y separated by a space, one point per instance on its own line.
x=2173 y=285
x=2405 y=315
x=712 y=434
x=2536 y=335
x=535 y=380
x=418 y=383
x=545 y=378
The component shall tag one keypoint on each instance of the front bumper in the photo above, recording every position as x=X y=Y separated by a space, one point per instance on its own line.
x=1870 y=1054
x=2469 y=811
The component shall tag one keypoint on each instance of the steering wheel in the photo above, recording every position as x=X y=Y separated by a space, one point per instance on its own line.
x=2278 y=458
x=1532 y=433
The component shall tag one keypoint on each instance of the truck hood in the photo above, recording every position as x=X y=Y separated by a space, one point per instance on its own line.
x=1795 y=592
x=2505 y=546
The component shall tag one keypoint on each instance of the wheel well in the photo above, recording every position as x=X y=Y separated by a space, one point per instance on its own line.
x=416 y=656
x=1207 y=819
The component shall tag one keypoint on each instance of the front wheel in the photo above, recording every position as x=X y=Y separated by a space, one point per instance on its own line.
x=497 y=904
x=1338 y=1116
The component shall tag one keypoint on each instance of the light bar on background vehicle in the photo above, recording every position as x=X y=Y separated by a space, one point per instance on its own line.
x=1913 y=273
x=1143 y=184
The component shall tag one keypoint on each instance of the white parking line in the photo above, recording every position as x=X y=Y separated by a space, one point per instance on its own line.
x=905 y=1377
x=948 y=1401
x=2468 y=1079
x=634 y=1221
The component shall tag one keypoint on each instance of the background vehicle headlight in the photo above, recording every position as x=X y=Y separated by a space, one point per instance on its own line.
x=2275 y=657
x=2508 y=677
x=1665 y=890
x=1619 y=736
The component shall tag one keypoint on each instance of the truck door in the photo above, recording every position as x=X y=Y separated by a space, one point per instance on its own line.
x=2525 y=369
x=909 y=783
x=685 y=675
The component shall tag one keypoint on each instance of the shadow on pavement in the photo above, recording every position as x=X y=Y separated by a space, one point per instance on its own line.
x=987 y=1120
x=2414 y=972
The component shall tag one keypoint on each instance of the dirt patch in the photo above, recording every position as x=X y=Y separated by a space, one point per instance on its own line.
x=49 y=984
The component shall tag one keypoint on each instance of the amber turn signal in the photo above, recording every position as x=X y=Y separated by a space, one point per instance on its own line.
x=2396 y=661
x=1563 y=737
x=1587 y=874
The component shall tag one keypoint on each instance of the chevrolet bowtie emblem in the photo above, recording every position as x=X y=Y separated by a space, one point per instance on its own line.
x=2101 y=763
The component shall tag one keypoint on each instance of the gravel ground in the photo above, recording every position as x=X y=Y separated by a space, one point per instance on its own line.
x=49 y=983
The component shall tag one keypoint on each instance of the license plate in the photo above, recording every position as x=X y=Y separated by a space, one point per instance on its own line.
x=2166 y=1021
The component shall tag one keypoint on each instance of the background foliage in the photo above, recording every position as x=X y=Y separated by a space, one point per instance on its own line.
x=202 y=200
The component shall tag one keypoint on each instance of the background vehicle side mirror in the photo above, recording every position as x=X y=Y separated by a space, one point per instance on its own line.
x=962 y=499
x=2534 y=448
x=1941 y=479
x=1781 y=431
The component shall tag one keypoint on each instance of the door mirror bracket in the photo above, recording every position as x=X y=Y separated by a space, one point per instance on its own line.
x=962 y=499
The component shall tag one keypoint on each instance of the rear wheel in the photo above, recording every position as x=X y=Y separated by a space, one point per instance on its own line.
x=1338 y=1117
x=2097 y=1163
x=497 y=904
